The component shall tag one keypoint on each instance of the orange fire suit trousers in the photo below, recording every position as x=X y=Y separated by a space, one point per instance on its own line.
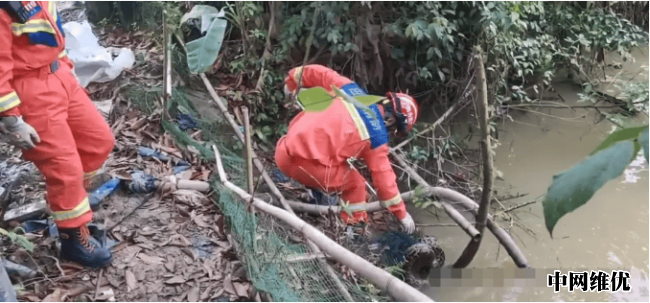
x=75 y=138
x=336 y=178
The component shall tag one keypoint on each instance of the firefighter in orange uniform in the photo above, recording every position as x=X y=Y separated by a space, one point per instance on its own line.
x=318 y=145
x=45 y=112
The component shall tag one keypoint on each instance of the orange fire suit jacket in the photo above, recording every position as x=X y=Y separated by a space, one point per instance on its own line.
x=39 y=44
x=341 y=132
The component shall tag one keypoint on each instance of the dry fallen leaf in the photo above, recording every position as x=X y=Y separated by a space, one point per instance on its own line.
x=241 y=288
x=57 y=296
x=176 y=280
x=150 y=259
x=131 y=282
x=193 y=295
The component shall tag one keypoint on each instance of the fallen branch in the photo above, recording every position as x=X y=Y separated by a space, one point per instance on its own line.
x=481 y=103
x=392 y=285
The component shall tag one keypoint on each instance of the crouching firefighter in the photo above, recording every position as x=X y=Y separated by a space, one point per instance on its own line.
x=316 y=149
x=45 y=112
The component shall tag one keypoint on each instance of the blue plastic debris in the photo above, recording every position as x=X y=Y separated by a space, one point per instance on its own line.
x=320 y=198
x=396 y=245
x=186 y=122
x=142 y=183
x=279 y=177
x=7 y=293
x=180 y=167
x=17 y=270
x=99 y=194
x=148 y=152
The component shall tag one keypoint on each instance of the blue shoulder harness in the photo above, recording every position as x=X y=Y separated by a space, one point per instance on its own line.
x=376 y=127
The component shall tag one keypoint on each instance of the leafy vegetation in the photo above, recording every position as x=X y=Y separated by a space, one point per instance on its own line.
x=576 y=186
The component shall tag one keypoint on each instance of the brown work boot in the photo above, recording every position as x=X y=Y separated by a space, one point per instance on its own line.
x=94 y=180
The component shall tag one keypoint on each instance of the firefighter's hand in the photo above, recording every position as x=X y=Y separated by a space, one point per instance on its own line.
x=20 y=133
x=408 y=224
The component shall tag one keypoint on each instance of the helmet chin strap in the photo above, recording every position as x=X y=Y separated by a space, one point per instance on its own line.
x=395 y=107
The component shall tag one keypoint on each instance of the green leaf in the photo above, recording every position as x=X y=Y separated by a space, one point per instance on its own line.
x=369 y=99
x=643 y=139
x=18 y=239
x=621 y=135
x=340 y=93
x=315 y=99
x=576 y=186
x=202 y=52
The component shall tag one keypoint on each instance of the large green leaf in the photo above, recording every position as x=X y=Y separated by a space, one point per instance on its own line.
x=340 y=93
x=315 y=99
x=318 y=99
x=621 y=135
x=576 y=186
x=202 y=52
x=643 y=139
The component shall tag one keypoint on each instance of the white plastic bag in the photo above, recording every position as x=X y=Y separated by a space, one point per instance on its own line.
x=92 y=62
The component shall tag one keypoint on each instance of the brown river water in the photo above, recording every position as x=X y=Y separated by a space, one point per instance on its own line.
x=608 y=233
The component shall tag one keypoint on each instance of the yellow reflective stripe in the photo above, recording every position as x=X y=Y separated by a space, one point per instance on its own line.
x=78 y=211
x=393 y=201
x=296 y=75
x=354 y=114
x=9 y=101
x=32 y=26
x=90 y=174
x=51 y=8
x=63 y=54
x=355 y=207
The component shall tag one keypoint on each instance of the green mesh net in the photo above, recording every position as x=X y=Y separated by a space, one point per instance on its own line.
x=275 y=261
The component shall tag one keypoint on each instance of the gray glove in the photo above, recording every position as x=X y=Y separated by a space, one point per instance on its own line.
x=20 y=133
x=408 y=224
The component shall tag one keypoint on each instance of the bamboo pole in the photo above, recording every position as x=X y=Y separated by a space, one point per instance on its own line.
x=481 y=103
x=167 y=65
x=249 y=151
x=385 y=281
x=274 y=189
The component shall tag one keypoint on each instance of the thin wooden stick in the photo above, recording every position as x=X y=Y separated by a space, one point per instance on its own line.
x=249 y=151
x=167 y=64
x=385 y=281
x=514 y=207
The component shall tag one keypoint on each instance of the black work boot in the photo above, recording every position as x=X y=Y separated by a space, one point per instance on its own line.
x=78 y=246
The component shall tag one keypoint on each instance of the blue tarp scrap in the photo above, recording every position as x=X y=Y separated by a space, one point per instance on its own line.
x=148 y=152
x=186 y=122
x=396 y=245
x=142 y=182
x=99 y=194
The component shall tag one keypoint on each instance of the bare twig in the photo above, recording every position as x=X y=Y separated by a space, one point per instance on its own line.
x=505 y=211
x=57 y=263
x=99 y=279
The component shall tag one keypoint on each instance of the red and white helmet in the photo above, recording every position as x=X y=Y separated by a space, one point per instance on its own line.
x=405 y=109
